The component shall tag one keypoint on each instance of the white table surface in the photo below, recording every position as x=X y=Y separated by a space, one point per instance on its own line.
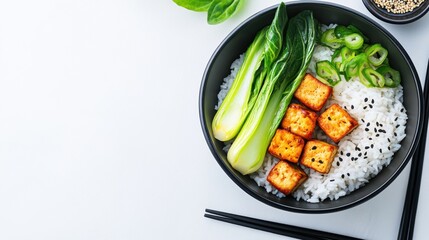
x=100 y=135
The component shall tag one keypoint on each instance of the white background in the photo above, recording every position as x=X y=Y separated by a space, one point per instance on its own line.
x=100 y=135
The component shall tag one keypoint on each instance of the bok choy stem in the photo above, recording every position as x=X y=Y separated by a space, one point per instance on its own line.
x=247 y=152
x=241 y=97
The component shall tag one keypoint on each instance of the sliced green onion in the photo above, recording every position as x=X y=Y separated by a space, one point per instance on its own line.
x=356 y=30
x=336 y=54
x=353 y=41
x=376 y=54
x=329 y=39
x=328 y=72
x=391 y=76
x=374 y=77
x=342 y=31
x=365 y=81
x=347 y=53
x=354 y=66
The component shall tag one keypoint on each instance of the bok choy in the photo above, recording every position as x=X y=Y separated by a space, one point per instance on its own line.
x=242 y=95
x=247 y=152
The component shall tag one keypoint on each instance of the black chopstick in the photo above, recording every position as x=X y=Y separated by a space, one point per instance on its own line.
x=273 y=227
x=406 y=229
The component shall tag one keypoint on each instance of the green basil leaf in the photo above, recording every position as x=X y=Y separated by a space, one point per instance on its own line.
x=195 y=5
x=220 y=10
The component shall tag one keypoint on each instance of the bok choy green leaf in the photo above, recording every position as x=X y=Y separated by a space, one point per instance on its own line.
x=242 y=95
x=220 y=10
x=194 y=5
x=247 y=152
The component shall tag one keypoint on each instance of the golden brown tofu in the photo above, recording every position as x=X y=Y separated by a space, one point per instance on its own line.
x=336 y=122
x=312 y=92
x=286 y=177
x=286 y=146
x=318 y=155
x=300 y=121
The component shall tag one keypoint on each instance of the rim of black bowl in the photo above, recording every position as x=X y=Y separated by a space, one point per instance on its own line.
x=277 y=204
x=396 y=18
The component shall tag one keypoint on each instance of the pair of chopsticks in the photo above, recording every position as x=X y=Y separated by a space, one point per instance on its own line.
x=406 y=229
x=273 y=227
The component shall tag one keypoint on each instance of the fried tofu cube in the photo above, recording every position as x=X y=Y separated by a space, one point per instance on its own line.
x=300 y=121
x=286 y=177
x=286 y=146
x=336 y=122
x=313 y=93
x=318 y=155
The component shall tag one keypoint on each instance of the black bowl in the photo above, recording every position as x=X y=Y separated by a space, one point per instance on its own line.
x=238 y=41
x=396 y=18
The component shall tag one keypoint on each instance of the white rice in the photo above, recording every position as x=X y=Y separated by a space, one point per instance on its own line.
x=362 y=154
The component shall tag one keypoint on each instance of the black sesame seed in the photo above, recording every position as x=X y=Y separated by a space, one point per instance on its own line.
x=370 y=138
x=377 y=135
x=353 y=107
x=375 y=129
x=370 y=105
x=320 y=161
x=341 y=159
x=366 y=147
x=342 y=153
x=312 y=159
x=395 y=134
x=397 y=126
x=360 y=155
x=345 y=107
x=362 y=120
x=367 y=129
x=380 y=150
x=348 y=154
x=368 y=124
x=338 y=164
x=372 y=101
x=365 y=107
x=402 y=109
x=329 y=118
x=366 y=99
x=388 y=139
x=388 y=148
x=342 y=176
x=396 y=119
x=348 y=174
x=332 y=180
x=378 y=124
x=314 y=148
x=366 y=153
x=381 y=125
x=372 y=145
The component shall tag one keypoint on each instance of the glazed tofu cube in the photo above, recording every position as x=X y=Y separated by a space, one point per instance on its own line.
x=286 y=177
x=286 y=146
x=318 y=155
x=312 y=92
x=336 y=122
x=300 y=121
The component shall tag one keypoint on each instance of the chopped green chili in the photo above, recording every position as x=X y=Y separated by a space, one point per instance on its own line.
x=376 y=54
x=328 y=72
x=391 y=76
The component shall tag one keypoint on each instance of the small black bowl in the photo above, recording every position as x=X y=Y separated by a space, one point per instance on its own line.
x=396 y=18
x=238 y=41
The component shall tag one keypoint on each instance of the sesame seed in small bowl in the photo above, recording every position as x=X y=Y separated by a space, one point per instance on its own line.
x=397 y=11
